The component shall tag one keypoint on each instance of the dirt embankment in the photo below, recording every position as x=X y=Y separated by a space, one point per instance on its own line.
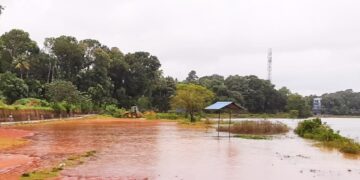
x=24 y=114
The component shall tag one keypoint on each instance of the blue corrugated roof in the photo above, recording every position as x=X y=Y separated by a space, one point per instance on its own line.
x=218 y=105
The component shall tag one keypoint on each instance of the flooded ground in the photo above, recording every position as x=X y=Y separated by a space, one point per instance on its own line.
x=139 y=149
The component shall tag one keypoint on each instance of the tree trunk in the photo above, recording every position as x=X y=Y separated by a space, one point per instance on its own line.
x=49 y=73
x=192 y=119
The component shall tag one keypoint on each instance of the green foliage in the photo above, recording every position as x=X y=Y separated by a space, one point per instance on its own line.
x=62 y=91
x=258 y=95
x=170 y=116
x=315 y=129
x=341 y=103
x=297 y=102
x=114 y=111
x=164 y=89
x=12 y=88
x=107 y=76
x=32 y=102
x=143 y=103
x=294 y=113
x=191 y=98
x=58 y=107
x=255 y=137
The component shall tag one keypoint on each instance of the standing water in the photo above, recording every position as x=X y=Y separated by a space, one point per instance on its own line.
x=139 y=149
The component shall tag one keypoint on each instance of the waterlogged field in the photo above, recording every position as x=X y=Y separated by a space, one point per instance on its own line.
x=140 y=149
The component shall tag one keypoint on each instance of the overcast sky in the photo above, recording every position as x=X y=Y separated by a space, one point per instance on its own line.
x=316 y=43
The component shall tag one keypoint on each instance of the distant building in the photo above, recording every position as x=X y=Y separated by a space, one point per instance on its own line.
x=317 y=106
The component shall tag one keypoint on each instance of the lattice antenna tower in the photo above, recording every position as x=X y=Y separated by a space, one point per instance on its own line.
x=269 y=67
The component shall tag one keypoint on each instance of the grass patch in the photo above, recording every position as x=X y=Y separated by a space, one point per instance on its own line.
x=197 y=124
x=256 y=128
x=55 y=171
x=317 y=130
x=256 y=137
x=262 y=116
x=151 y=115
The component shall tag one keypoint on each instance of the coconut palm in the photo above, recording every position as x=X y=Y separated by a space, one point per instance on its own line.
x=22 y=63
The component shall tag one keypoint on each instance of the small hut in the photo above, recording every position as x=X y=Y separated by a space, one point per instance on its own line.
x=225 y=106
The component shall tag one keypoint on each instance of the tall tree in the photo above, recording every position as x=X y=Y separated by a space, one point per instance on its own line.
x=69 y=55
x=12 y=87
x=192 y=77
x=165 y=88
x=16 y=51
x=143 y=72
x=191 y=98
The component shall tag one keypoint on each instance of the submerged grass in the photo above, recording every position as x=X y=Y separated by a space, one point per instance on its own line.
x=256 y=137
x=55 y=171
x=317 y=130
x=197 y=124
x=263 y=127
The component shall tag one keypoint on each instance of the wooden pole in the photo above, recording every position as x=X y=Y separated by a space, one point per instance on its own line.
x=229 y=123
x=219 y=125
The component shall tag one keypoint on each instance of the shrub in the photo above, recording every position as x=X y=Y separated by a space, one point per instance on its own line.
x=317 y=130
x=150 y=115
x=58 y=107
x=114 y=111
x=171 y=116
x=294 y=113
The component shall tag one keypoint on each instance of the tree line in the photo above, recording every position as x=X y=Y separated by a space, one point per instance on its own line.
x=87 y=71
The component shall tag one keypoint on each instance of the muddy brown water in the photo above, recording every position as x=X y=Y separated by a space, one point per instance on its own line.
x=138 y=149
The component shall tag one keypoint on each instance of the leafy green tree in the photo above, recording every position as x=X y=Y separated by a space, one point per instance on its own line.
x=341 y=103
x=69 y=55
x=22 y=64
x=12 y=87
x=258 y=95
x=36 y=89
x=164 y=90
x=17 y=42
x=191 y=98
x=41 y=68
x=118 y=72
x=298 y=103
x=62 y=91
x=192 y=77
x=216 y=83
x=143 y=72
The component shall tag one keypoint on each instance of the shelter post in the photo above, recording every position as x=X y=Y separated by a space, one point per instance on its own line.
x=229 y=123
x=218 y=130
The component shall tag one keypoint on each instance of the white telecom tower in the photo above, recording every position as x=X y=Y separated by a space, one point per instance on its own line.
x=269 y=57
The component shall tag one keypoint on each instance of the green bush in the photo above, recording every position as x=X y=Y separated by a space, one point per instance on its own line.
x=294 y=113
x=114 y=111
x=317 y=130
x=171 y=116
x=58 y=107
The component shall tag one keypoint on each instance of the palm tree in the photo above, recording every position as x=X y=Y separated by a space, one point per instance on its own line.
x=22 y=63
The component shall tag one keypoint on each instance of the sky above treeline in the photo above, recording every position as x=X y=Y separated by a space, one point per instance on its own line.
x=316 y=44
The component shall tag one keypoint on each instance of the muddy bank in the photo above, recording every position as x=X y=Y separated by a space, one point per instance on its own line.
x=139 y=149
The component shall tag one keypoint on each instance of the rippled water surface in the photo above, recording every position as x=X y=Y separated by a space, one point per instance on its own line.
x=139 y=149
